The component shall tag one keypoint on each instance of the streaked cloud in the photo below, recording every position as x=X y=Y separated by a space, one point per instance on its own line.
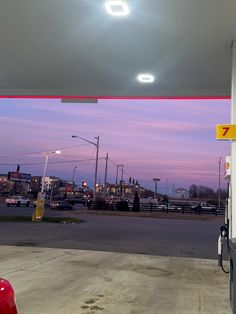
x=171 y=138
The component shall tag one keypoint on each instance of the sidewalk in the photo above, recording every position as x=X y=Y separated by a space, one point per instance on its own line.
x=60 y=281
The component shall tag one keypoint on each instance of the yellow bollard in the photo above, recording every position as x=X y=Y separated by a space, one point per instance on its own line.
x=33 y=216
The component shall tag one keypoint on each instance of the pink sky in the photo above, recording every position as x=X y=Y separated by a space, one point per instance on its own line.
x=173 y=140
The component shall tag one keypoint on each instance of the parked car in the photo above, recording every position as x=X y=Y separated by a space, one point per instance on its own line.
x=7 y=298
x=193 y=205
x=46 y=203
x=17 y=201
x=122 y=206
x=169 y=206
x=205 y=206
x=76 y=200
x=162 y=205
x=63 y=205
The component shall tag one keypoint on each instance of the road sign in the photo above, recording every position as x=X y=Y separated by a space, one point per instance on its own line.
x=226 y=131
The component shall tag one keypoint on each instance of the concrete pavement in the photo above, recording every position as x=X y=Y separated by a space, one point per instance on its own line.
x=69 y=281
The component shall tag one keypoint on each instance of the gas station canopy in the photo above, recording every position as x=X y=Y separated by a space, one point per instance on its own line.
x=78 y=48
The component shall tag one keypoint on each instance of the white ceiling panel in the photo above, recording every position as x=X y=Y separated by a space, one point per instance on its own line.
x=73 y=47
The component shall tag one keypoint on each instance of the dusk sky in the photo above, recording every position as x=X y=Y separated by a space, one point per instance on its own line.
x=173 y=140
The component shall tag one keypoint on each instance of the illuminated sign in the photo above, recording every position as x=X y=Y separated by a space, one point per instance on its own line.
x=227 y=167
x=69 y=188
x=226 y=131
x=19 y=176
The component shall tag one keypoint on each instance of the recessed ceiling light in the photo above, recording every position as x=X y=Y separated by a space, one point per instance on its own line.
x=117 y=8
x=145 y=78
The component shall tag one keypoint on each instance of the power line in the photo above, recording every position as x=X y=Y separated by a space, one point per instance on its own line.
x=32 y=153
x=125 y=172
x=129 y=175
x=52 y=162
x=146 y=181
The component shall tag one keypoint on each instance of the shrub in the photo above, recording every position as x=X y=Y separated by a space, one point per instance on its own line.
x=136 y=204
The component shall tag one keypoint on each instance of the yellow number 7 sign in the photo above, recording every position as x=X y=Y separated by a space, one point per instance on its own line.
x=226 y=131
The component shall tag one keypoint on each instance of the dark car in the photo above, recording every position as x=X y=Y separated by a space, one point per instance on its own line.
x=123 y=206
x=76 y=200
x=7 y=298
x=63 y=205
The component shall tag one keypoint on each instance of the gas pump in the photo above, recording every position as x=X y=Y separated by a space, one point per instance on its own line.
x=224 y=229
x=226 y=237
x=231 y=240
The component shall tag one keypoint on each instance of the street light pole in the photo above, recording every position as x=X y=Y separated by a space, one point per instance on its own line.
x=41 y=195
x=96 y=165
x=45 y=167
x=44 y=173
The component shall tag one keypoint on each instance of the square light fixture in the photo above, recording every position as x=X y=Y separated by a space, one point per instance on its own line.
x=117 y=8
x=146 y=78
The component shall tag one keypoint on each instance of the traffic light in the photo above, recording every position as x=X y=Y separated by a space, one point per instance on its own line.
x=18 y=168
x=133 y=182
x=130 y=180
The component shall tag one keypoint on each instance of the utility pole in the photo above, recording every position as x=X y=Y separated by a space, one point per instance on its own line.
x=122 y=172
x=73 y=179
x=167 y=187
x=52 y=187
x=156 y=180
x=219 y=189
x=117 y=173
x=96 y=169
x=121 y=182
x=117 y=167
x=105 y=178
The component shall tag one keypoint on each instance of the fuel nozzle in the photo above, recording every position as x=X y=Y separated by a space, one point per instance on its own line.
x=224 y=231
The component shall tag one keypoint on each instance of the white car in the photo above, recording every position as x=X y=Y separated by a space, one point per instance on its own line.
x=169 y=206
x=205 y=206
x=17 y=201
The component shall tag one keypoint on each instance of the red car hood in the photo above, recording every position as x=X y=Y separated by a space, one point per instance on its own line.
x=7 y=298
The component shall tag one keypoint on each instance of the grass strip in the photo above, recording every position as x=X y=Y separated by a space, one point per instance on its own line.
x=142 y=214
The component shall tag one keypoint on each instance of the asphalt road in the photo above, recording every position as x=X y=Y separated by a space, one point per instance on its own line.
x=25 y=211
x=163 y=237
